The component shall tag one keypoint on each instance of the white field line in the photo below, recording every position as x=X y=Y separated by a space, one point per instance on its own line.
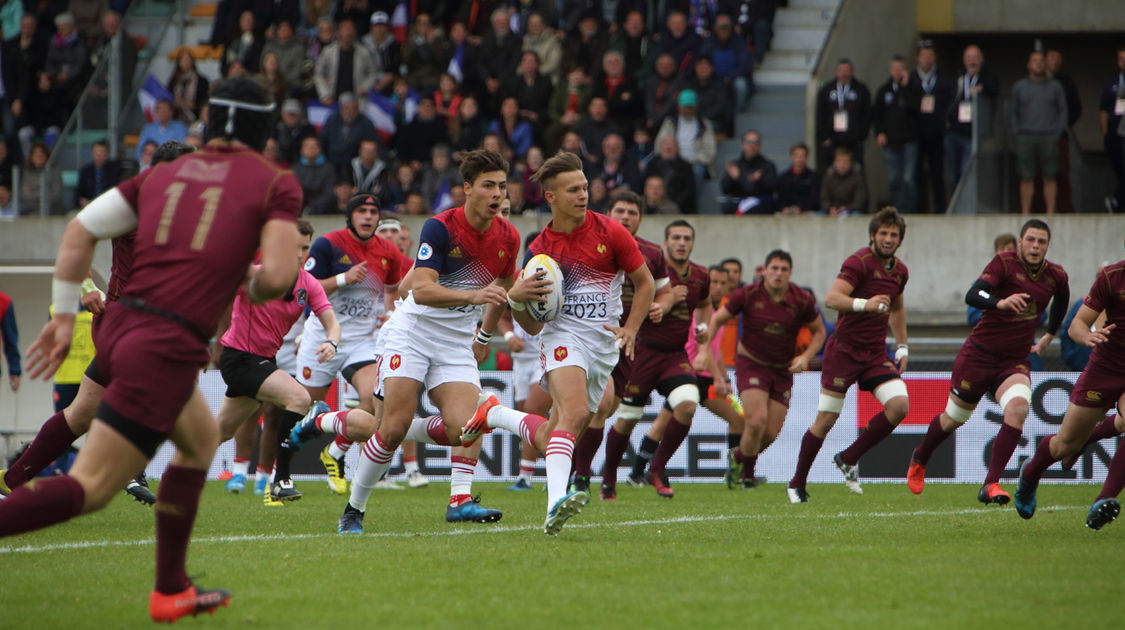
x=100 y=544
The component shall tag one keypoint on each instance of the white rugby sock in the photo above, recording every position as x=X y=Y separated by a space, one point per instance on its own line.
x=430 y=430
x=501 y=417
x=560 y=453
x=336 y=451
x=240 y=466
x=373 y=464
x=460 y=478
x=527 y=469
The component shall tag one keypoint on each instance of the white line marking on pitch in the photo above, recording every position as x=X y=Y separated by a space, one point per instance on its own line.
x=100 y=544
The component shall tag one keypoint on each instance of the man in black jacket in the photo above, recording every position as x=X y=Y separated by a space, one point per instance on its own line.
x=798 y=189
x=843 y=113
x=98 y=176
x=973 y=88
x=751 y=180
x=894 y=118
x=937 y=93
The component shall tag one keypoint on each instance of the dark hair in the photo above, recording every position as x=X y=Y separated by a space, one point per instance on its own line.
x=897 y=57
x=629 y=197
x=171 y=150
x=1038 y=224
x=530 y=237
x=305 y=228
x=101 y=143
x=1002 y=240
x=249 y=127
x=481 y=161
x=887 y=217
x=779 y=254
x=724 y=262
x=718 y=268
x=561 y=162
x=678 y=223
x=800 y=145
x=845 y=61
x=842 y=151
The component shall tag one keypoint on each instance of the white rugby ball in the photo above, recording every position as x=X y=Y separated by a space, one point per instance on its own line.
x=548 y=310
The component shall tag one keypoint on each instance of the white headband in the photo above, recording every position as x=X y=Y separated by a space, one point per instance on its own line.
x=233 y=105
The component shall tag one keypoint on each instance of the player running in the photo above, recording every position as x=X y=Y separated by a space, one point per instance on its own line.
x=66 y=426
x=252 y=376
x=868 y=295
x=773 y=312
x=199 y=221
x=1012 y=291
x=1098 y=389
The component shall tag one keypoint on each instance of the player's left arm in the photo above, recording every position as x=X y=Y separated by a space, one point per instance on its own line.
x=1060 y=302
x=816 y=327
x=898 y=329
x=1083 y=328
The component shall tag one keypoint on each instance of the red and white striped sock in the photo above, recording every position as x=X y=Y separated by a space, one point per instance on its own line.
x=560 y=454
x=264 y=471
x=241 y=466
x=529 y=426
x=527 y=468
x=501 y=417
x=333 y=422
x=461 y=479
x=339 y=447
x=376 y=460
x=429 y=430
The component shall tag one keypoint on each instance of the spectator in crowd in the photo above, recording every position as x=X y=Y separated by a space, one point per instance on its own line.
x=290 y=54
x=595 y=128
x=415 y=204
x=385 y=51
x=750 y=182
x=165 y=127
x=469 y=128
x=634 y=44
x=439 y=173
x=661 y=90
x=111 y=26
x=148 y=148
x=615 y=169
x=585 y=46
x=467 y=50
x=323 y=38
x=98 y=176
x=10 y=340
x=1054 y=61
x=755 y=18
x=315 y=12
x=194 y=137
x=798 y=188
x=619 y=91
x=190 y=89
x=48 y=107
x=675 y=172
x=572 y=143
x=271 y=13
x=642 y=150
x=291 y=130
x=971 y=89
x=713 y=95
x=369 y=173
x=695 y=137
x=88 y=16
x=416 y=141
x=271 y=77
x=342 y=191
x=32 y=45
x=937 y=94
x=342 y=133
x=515 y=195
x=245 y=46
x=843 y=113
x=516 y=132
x=599 y=197
x=32 y=183
x=656 y=198
x=732 y=61
x=543 y=43
x=316 y=177
x=8 y=160
x=894 y=120
x=8 y=209
x=271 y=152
x=404 y=182
x=1111 y=110
x=531 y=89
x=499 y=54
x=495 y=143
x=11 y=11
x=344 y=68
x=425 y=54
x=842 y=189
x=570 y=99
x=677 y=40
x=1037 y=115
x=447 y=100
x=67 y=57
x=531 y=192
x=358 y=11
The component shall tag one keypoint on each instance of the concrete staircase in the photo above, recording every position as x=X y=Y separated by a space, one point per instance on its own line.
x=777 y=110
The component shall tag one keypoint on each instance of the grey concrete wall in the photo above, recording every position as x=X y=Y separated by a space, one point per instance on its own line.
x=1014 y=16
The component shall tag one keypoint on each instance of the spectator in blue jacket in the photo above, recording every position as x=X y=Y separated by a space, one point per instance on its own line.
x=732 y=60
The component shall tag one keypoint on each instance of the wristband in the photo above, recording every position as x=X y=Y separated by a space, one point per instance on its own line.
x=902 y=352
x=859 y=305
x=483 y=338
x=341 y=280
x=508 y=335
x=517 y=306
x=333 y=343
x=65 y=296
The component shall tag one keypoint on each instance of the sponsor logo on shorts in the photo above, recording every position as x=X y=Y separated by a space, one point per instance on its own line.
x=310 y=263
x=560 y=353
x=396 y=360
x=1093 y=396
x=425 y=252
x=966 y=385
x=306 y=372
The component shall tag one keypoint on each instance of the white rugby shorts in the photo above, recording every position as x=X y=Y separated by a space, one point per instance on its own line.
x=350 y=352
x=561 y=349
x=415 y=349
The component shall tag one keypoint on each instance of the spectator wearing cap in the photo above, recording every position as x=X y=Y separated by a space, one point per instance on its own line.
x=595 y=127
x=66 y=56
x=291 y=130
x=244 y=46
x=1037 y=115
x=936 y=87
x=315 y=175
x=499 y=54
x=384 y=49
x=974 y=88
x=661 y=90
x=694 y=134
x=713 y=95
x=798 y=188
x=732 y=61
x=843 y=114
x=615 y=169
x=620 y=91
x=425 y=54
x=635 y=46
x=369 y=173
x=290 y=53
x=894 y=120
x=163 y=128
x=750 y=182
x=342 y=133
x=343 y=67
x=540 y=40
x=418 y=138
x=678 y=40
x=531 y=89
x=675 y=172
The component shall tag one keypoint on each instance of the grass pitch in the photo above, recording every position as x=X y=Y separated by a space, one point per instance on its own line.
x=709 y=558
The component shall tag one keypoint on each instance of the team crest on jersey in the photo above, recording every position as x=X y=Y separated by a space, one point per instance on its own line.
x=344 y=259
x=306 y=373
x=601 y=248
x=302 y=297
x=560 y=353
x=310 y=263
x=500 y=254
x=966 y=385
x=1093 y=396
x=384 y=261
x=838 y=382
x=396 y=360
x=425 y=252
x=1021 y=277
x=759 y=306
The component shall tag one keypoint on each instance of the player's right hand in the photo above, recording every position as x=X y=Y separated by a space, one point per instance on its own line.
x=48 y=352
x=93 y=302
x=878 y=304
x=679 y=293
x=357 y=273
x=1100 y=335
x=491 y=294
x=530 y=288
x=1014 y=302
x=655 y=312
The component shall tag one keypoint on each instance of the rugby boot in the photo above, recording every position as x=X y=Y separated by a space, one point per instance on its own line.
x=471 y=512
x=660 y=482
x=993 y=493
x=190 y=601
x=850 y=472
x=563 y=510
x=915 y=475
x=1102 y=513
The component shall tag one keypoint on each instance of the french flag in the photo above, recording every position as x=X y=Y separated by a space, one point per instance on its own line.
x=444 y=199
x=151 y=93
x=398 y=22
x=381 y=111
x=456 y=64
x=318 y=113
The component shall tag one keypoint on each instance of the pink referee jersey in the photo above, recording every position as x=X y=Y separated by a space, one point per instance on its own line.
x=260 y=328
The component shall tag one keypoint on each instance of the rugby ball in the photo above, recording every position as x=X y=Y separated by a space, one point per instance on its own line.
x=549 y=310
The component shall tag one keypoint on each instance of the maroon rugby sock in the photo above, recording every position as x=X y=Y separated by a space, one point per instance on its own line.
x=615 y=446
x=585 y=450
x=673 y=437
x=1002 y=448
x=41 y=503
x=748 y=464
x=878 y=428
x=53 y=439
x=1107 y=428
x=1041 y=461
x=176 y=503
x=810 y=446
x=935 y=435
x=1115 y=478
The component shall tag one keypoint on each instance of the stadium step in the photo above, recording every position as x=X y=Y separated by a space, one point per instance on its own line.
x=798 y=17
x=800 y=38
